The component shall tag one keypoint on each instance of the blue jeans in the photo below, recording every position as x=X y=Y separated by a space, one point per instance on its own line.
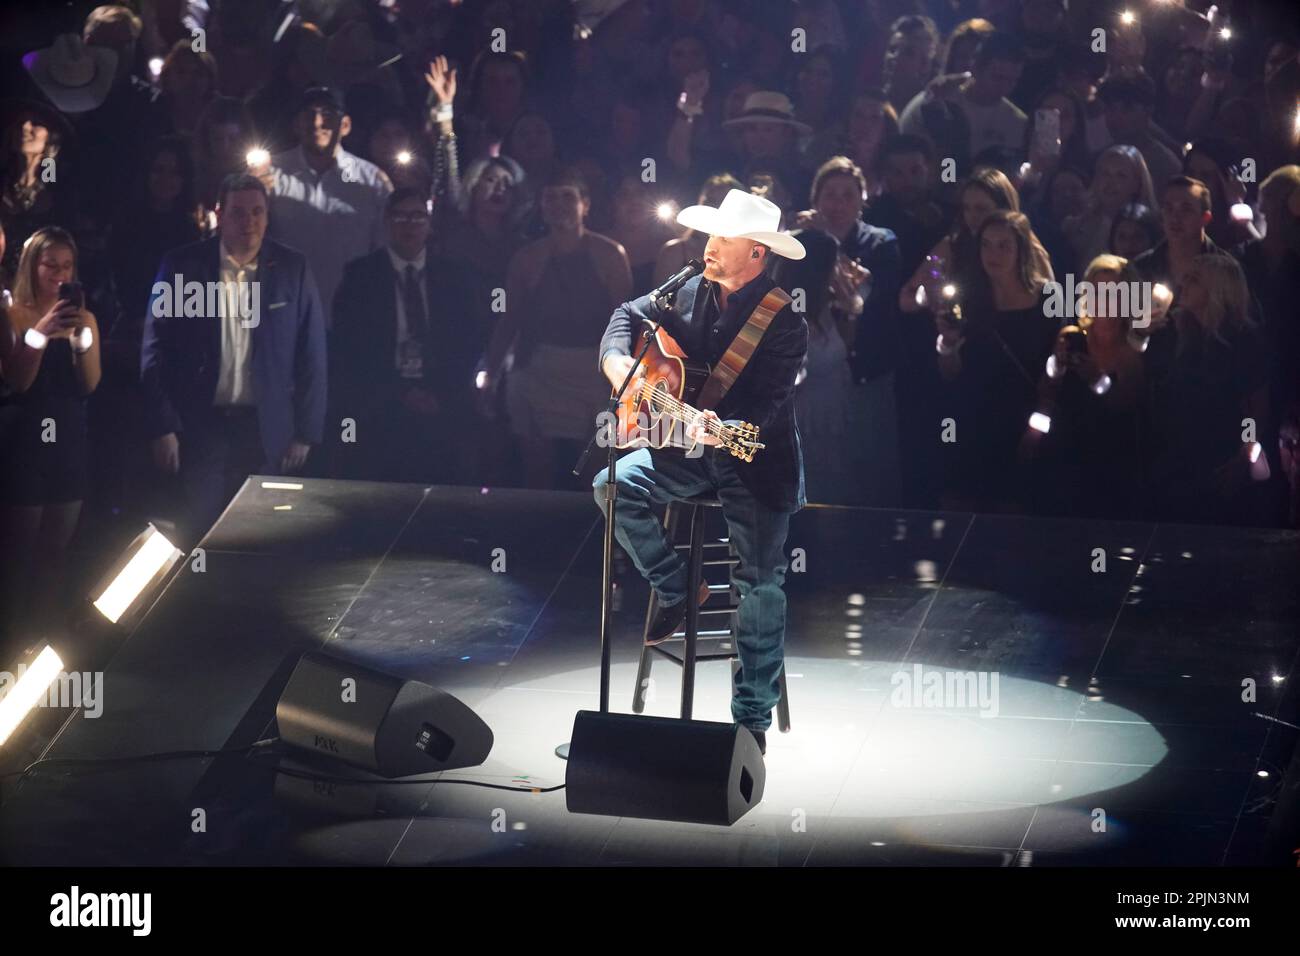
x=649 y=476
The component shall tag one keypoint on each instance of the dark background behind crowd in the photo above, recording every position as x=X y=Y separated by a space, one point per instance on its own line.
x=442 y=201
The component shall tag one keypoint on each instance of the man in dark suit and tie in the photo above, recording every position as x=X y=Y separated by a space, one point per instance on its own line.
x=233 y=357
x=402 y=356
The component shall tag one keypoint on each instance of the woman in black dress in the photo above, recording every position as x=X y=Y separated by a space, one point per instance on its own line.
x=49 y=363
x=1209 y=371
x=992 y=357
x=1093 y=386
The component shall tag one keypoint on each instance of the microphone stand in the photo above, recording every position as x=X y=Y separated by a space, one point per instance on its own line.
x=664 y=303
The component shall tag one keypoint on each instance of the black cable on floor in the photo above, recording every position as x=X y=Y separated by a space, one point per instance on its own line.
x=137 y=758
x=261 y=745
x=469 y=783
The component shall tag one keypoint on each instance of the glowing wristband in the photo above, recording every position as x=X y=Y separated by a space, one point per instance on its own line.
x=35 y=340
x=83 y=340
x=1053 y=369
x=944 y=349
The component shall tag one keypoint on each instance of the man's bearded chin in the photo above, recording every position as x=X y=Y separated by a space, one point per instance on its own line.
x=328 y=147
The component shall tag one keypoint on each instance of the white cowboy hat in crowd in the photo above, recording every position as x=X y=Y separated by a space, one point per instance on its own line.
x=74 y=76
x=743 y=215
x=769 y=106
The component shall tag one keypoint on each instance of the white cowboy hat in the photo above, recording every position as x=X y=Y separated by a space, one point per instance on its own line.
x=768 y=106
x=743 y=215
x=74 y=76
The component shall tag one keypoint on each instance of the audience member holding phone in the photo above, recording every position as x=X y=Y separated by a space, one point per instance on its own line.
x=49 y=363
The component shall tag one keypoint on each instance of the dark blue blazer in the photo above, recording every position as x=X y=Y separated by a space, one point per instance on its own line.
x=763 y=394
x=180 y=358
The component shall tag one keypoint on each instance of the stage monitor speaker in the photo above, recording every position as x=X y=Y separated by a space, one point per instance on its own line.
x=378 y=722
x=662 y=768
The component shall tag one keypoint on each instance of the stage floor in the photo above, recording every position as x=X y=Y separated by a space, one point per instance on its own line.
x=1117 y=735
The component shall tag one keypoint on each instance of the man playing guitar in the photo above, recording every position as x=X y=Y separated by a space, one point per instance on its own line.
x=757 y=496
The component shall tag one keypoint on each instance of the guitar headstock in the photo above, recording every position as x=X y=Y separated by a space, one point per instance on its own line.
x=741 y=439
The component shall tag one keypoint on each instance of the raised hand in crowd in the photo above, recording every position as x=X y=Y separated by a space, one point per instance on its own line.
x=441 y=78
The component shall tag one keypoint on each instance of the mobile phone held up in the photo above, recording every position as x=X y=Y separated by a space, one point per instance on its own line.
x=73 y=292
x=1047 y=132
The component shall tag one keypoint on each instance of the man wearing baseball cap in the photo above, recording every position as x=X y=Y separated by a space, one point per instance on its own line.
x=757 y=497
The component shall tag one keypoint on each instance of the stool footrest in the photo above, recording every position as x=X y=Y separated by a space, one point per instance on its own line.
x=703 y=635
x=676 y=659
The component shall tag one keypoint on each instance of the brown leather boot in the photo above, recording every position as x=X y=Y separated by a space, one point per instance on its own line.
x=668 y=619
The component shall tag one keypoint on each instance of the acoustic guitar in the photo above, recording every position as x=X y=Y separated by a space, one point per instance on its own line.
x=656 y=410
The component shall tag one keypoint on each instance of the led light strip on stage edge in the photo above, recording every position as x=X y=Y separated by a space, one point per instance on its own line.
x=15 y=705
x=151 y=555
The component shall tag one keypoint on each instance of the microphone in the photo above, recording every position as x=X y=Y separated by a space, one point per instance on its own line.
x=676 y=281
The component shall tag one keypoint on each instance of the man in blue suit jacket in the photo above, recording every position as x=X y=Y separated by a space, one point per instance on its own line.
x=233 y=358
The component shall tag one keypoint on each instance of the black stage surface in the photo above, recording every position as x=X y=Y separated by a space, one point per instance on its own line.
x=1120 y=736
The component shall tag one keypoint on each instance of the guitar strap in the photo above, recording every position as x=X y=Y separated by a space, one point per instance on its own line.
x=742 y=348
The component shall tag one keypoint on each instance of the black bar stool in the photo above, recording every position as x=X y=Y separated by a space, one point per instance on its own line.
x=721 y=617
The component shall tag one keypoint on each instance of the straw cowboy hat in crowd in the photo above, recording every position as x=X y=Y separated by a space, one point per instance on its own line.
x=769 y=106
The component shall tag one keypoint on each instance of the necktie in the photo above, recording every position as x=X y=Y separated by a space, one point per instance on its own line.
x=416 y=320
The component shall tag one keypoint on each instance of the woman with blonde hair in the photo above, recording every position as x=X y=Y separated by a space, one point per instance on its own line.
x=1209 y=369
x=1120 y=176
x=1214 y=300
x=49 y=363
x=991 y=351
x=1092 y=387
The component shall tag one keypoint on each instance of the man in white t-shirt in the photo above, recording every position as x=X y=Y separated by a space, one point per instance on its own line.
x=326 y=202
x=965 y=114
